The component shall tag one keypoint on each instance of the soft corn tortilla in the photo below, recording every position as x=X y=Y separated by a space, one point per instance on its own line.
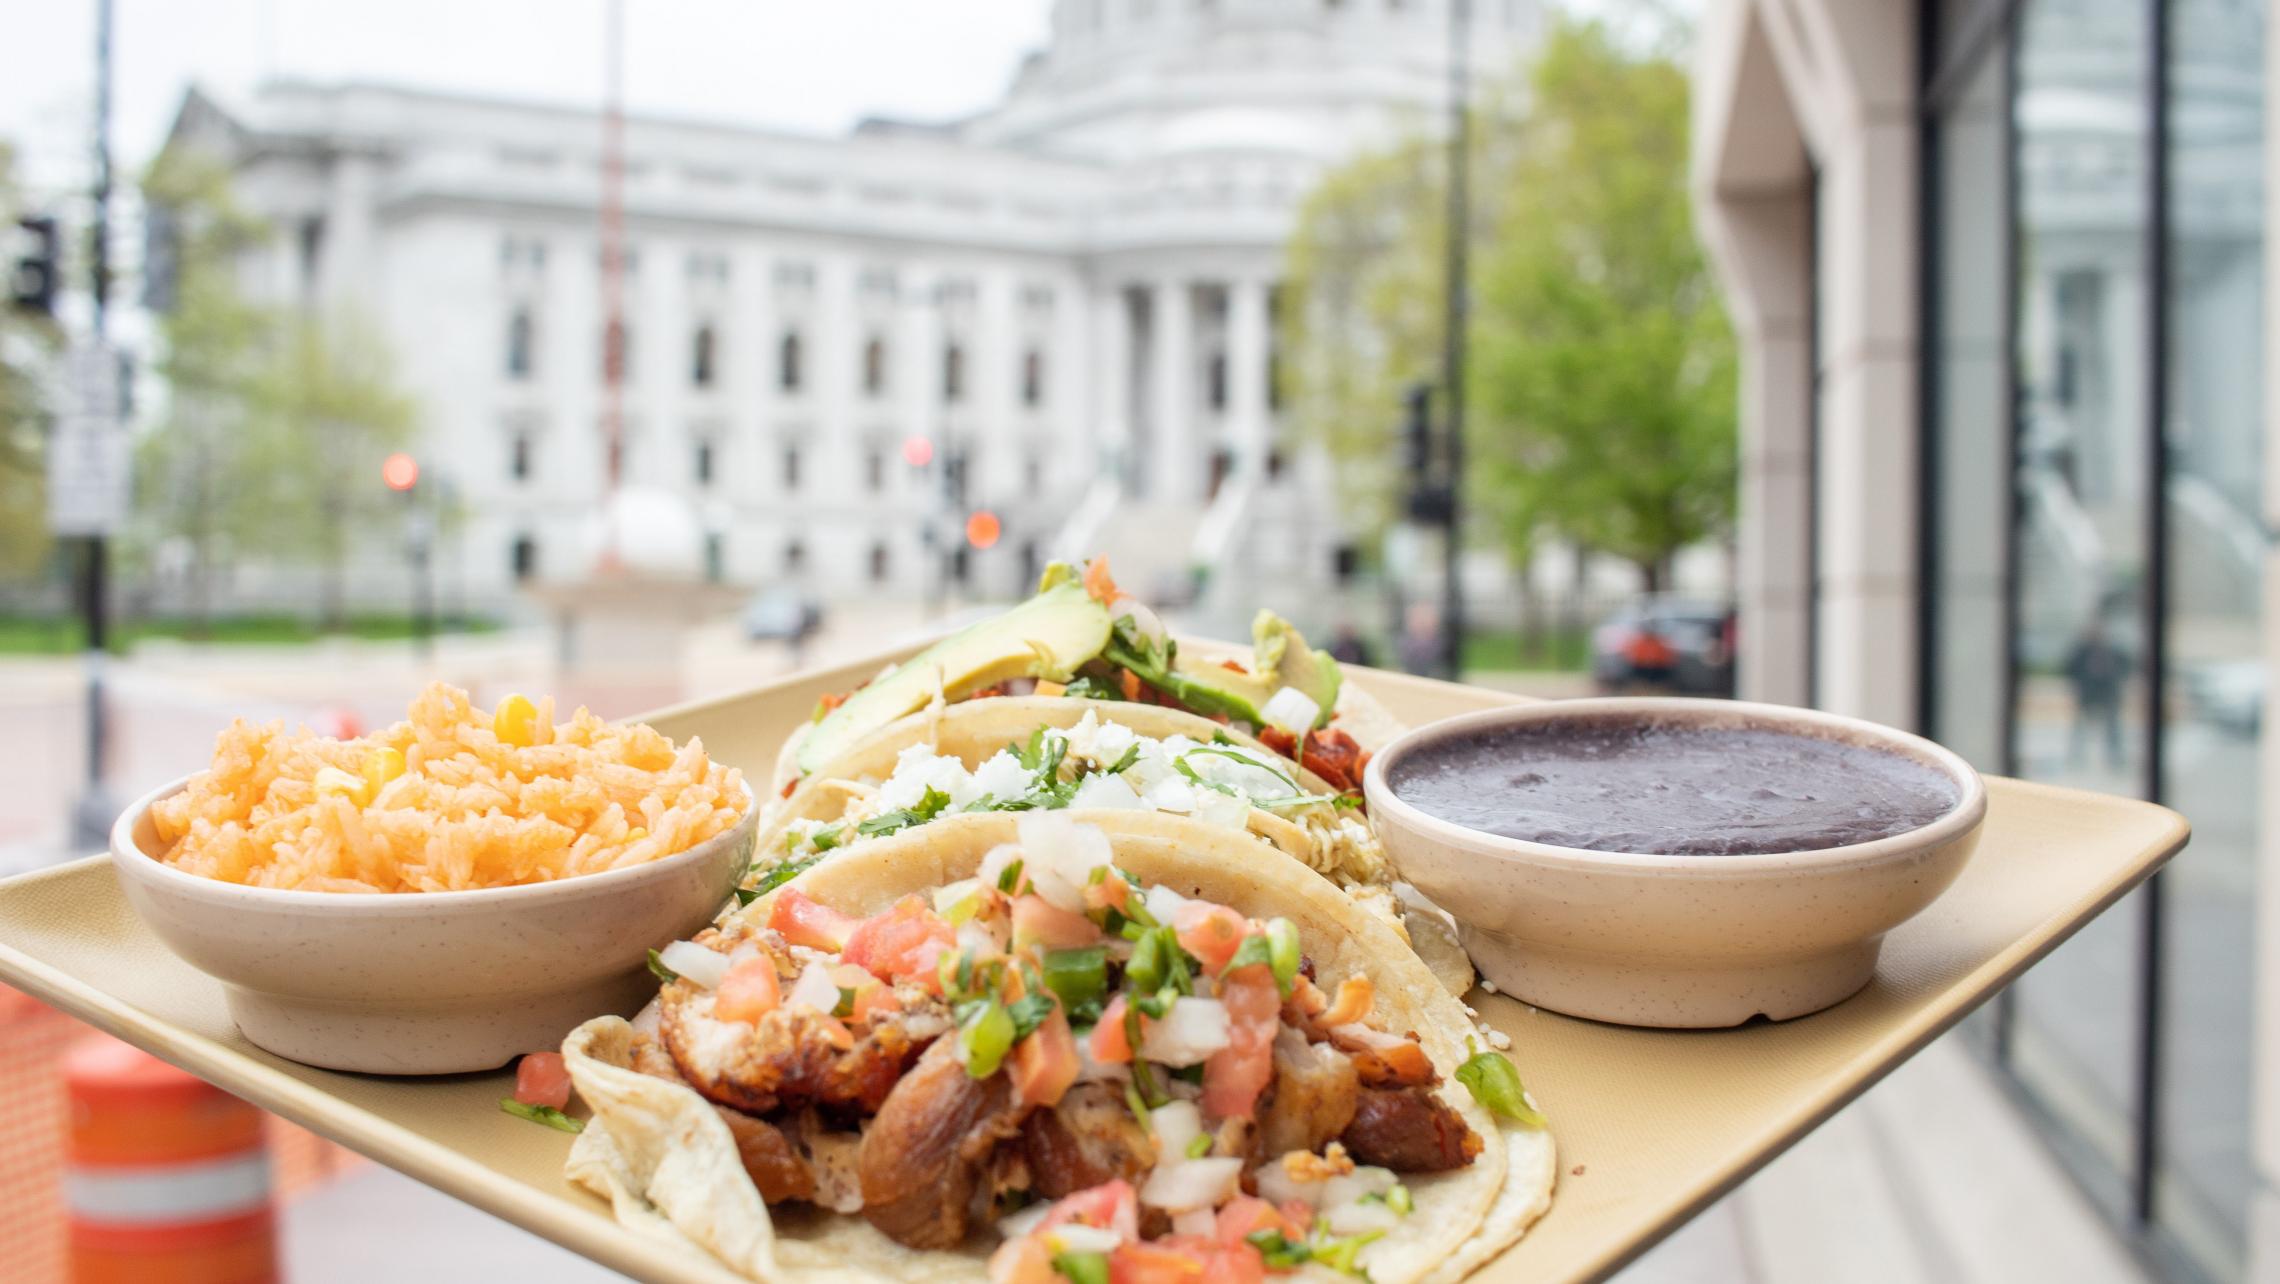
x=973 y=731
x=662 y=1156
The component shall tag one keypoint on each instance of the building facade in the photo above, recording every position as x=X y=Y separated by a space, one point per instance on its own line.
x=835 y=349
x=1998 y=269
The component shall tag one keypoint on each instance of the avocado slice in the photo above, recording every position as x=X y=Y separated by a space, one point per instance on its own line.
x=1281 y=659
x=1046 y=637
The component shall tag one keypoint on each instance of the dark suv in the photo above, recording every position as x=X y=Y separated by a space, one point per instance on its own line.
x=1675 y=644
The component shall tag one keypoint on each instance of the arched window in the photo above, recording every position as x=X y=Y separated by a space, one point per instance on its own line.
x=875 y=366
x=953 y=373
x=519 y=344
x=701 y=357
x=1032 y=378
x=788 y=362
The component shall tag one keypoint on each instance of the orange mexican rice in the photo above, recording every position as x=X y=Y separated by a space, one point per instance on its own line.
x=453 y=798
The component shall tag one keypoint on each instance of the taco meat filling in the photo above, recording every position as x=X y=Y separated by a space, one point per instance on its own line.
x=1106 y=1074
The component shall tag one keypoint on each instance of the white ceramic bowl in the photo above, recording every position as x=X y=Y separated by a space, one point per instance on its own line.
x=426 y=982
x=1683 y=941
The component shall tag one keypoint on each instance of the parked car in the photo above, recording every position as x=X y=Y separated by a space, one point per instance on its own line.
x=781 y=615
x=1681 y=645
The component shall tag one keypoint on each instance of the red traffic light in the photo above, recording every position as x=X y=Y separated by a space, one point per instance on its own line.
x=982 y=529
x=400 y=471
x=918 y=452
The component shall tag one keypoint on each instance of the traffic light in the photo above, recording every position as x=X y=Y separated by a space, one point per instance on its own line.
x=37 y=272
x=400 y=472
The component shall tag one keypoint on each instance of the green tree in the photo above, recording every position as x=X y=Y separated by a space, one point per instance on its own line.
x=1604 y=372
x=1600 y=383
x=25 y=342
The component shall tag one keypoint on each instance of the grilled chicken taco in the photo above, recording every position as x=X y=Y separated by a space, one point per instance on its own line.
x=1030 y=1051
x=1081 y=636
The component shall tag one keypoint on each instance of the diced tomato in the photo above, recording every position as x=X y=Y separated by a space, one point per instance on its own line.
x=891 y=944
x=1248 y=1215
x=1356 y=996
x=1210 y=932
x=1108 y=1039
x=1235 y=1075
x=1037 y=921
x=1129 y=683
x=789 y=786
x=1098 y=584
x=1231 y=664
x=1046 y=1063
x=542 y=1080
x=749 y=992
x=1112 y=1205
x=1299 y=1216
x=874 y=1000
x=1157 y=1262
x=1028 y=1260
x=1334 y=756
x=804 y=921
x=1109 y=893
x=1279 y=740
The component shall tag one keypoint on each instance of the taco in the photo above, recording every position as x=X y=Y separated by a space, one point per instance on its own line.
x=1025 y=1050
x=1081 y=636
x=1042 y=753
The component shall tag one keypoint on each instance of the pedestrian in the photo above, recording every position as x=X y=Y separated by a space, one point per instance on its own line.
x=2097 y=668
x=1347 y=646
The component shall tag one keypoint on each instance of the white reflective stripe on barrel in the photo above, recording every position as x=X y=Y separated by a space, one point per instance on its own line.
x=173 y=1194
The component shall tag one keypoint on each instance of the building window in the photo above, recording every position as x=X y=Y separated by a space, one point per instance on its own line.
x=522 y=558
x=795 y=557
x=716 y=557
x=788 y=362
x=879 y=563
x=1215 y=381
x=791 y=468
x=875 y=366
x=875 y=469
x=953 y=373
x=518 y=457
x=1033 y=473
x=1032 y=378
x=704 y=461
x=519 y=344
x=701 y=357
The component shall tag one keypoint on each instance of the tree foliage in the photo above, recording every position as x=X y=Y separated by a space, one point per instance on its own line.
x=24 y=342
x=1600 y=388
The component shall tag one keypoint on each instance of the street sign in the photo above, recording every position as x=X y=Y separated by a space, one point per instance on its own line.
x=90 y=456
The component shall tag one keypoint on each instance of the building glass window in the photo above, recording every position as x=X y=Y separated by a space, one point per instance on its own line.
x=716 y=557
x=519 y=344
x=879 y=563
x=701 y=357
x=953 y=373
x=795 y=557
x=788 y=361
x=518 y=456
x=1032 y=378
x=522 y=558
x=703 y=464
x=875 y=470
x=791 y=468
x=1215 y=381
x=875 y=366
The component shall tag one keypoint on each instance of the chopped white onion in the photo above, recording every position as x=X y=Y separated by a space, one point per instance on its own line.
x=1351 y=1186
x=1192 y=1183
x=1293 y=710
x=1195 y=1221
x=1061 y=855
x=695 y=963
x=1145 y=621
x=995 y=861
x=1163 y=902
x=815 y=988
x=1353 y=1218
x=948 y=895
x=1106 y=791
x=1187 y=1034
x=1175 y=1126
x=1078 y=1238
x=1090 y=1070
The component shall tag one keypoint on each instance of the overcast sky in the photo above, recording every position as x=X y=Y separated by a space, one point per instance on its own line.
x=814 y=65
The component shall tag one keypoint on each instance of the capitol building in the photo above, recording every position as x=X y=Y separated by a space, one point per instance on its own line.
x=837 y=349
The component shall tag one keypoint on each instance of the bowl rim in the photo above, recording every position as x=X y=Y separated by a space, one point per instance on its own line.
x=129 y=856
x=1969 y=810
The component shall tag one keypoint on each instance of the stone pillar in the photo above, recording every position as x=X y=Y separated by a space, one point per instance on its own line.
x=1172 y=465
x=1112 y=372
x=1247 y=375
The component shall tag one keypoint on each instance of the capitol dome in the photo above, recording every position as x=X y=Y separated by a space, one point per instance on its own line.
x=652 y=532
x=1242 y=129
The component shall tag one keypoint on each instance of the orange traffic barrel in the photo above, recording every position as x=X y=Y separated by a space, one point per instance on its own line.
x=168 y=1175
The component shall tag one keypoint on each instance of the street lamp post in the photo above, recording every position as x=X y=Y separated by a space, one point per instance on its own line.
x=1453 y=338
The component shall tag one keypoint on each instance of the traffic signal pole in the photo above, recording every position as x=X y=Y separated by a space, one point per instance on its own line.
x=94 y=813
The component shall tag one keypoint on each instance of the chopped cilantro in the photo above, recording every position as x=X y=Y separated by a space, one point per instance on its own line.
x=547 y=1115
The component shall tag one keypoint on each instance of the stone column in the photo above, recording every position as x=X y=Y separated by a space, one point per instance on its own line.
x=1112 y=373
x=1171 y=464
x=1247 y=375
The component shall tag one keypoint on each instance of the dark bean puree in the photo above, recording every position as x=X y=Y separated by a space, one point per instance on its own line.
x=1620 y=785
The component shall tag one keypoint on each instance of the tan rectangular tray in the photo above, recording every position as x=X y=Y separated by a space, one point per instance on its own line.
x=1652 y=1125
